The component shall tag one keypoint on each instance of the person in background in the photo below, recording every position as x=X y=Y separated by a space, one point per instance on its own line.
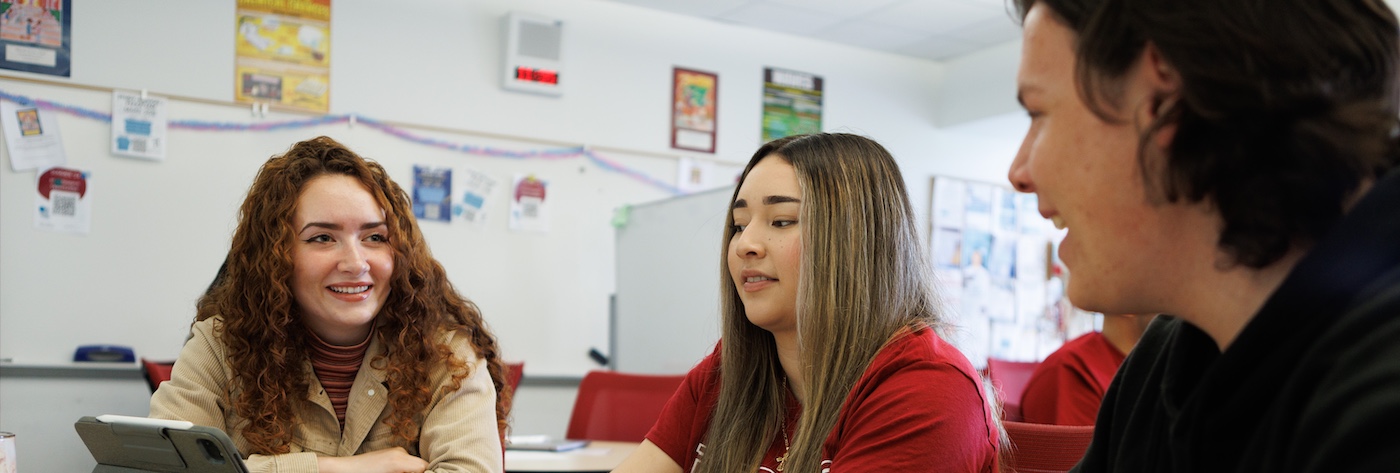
x=1068 y=386
x=1231 y=165
x=332 y=340
x=830 y=358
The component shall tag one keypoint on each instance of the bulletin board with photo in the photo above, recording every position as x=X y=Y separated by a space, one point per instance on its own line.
x=993 y=255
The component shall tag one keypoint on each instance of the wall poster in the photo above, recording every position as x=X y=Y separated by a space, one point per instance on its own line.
x=992 y=258
x=283 y=53
x=36 y=36
x=694 y=97
x=792 y=103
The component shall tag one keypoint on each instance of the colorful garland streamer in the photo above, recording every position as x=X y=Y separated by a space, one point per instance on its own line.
x=198 y=125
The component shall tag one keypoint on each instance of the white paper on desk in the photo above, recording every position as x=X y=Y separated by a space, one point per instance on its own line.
x=31 y=136
x=63 y=202
x=138 y=125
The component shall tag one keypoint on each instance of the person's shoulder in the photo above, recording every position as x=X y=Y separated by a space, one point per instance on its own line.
x=209 y=330
x=460 y=341
x=919 y=358
x=706 y=372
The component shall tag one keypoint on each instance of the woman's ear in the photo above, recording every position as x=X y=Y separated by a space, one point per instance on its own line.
x=1161 y=85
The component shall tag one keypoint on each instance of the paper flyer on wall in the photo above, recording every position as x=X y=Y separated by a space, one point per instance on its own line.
x=432 y=193
x=792 y=103
x=694 y=108
x=37 y=36
x=31 y=136
x=139 y=125
x=694 y=175
x=283 y=52
x=63 y=202
x=528 y=211
x=476 y=193
x=948 y=195
x=977 y=207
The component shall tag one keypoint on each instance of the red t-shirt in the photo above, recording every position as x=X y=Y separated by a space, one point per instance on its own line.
x=1068 y=386
x=918 y=407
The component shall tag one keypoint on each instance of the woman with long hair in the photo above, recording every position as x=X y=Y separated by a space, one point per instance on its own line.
x=830 y=357
x=333 y=340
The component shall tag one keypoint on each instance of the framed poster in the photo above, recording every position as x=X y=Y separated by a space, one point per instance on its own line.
x=36 y=36
x=283 y=53
x=792 y=103
x=694 y=96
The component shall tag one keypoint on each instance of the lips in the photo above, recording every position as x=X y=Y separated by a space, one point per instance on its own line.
x=350 y=292
x=755 y=281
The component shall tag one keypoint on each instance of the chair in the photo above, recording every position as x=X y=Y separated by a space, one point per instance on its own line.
x=1010 y=379
x=619 y=406
x=156 y=372
x=1044 y=448
x=514 y=372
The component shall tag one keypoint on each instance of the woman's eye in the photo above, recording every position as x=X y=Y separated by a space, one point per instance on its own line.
x=784 y=223
x=738 y=228
x=319 y=239
x=379 y=238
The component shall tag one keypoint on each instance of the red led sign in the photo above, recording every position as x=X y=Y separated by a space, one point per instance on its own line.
x=543 y=76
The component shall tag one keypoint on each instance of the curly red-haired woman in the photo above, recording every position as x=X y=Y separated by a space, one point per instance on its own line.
x=333 y=340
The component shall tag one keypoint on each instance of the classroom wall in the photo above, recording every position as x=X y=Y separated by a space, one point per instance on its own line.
x=436 y=63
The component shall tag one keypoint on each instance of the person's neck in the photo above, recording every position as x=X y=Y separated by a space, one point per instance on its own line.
x=1223 y=301
x=1120 y=331
x=789 y=356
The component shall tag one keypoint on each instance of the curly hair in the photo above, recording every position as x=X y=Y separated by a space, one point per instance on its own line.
x=1287 y=107
x=262 y=326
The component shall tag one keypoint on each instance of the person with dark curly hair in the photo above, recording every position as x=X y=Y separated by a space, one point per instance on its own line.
x=333 y=340
x=1233 y=165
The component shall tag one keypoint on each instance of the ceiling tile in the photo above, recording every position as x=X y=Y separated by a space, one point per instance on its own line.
x=869 y=35
x=988 y=32
x=771 y=16
x=938 y=48
x=843 y=8
x=707 y=8
x=934 y=16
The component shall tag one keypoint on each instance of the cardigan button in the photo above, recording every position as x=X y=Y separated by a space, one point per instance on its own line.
x=371 y=392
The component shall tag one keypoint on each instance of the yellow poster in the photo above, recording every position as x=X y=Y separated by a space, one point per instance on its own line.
x=284 y=53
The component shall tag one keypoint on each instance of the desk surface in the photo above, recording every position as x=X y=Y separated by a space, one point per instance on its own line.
x=597 y=456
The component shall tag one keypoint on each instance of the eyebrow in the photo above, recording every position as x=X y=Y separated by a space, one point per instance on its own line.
x=770 y=200
x=336 y=226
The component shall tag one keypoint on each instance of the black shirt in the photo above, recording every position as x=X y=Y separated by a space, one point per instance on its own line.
x=1311 y=384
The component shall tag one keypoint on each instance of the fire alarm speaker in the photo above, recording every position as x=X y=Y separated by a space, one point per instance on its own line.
x=532 y=57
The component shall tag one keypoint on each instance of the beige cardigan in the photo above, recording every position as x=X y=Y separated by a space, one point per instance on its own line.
x=458 y=432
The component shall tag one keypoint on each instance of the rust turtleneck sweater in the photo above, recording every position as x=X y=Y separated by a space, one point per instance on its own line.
x=336 y=368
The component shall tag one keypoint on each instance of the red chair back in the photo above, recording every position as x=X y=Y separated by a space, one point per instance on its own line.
x=156 y=372
x=619 y=406
x=514 y=371
x=1044 y=448
x=1010 y=379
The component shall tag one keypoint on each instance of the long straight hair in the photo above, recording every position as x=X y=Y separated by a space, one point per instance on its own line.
x=863 y=281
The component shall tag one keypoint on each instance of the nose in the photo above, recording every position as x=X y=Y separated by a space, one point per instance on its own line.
x=353 y=260
x=747 y=244
x=1020 y=173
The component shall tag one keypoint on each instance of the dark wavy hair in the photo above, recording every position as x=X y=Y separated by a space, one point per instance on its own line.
x=262 y=324
x=1287 y=107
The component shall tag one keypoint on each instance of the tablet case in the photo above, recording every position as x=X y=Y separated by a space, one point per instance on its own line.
x=123 y=444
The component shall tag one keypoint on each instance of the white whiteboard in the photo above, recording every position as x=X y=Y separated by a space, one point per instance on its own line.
x=161 y=229
x=668 y=280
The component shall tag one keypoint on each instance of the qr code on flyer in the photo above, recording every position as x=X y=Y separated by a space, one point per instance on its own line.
x=65 y=205
x=530 y=209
